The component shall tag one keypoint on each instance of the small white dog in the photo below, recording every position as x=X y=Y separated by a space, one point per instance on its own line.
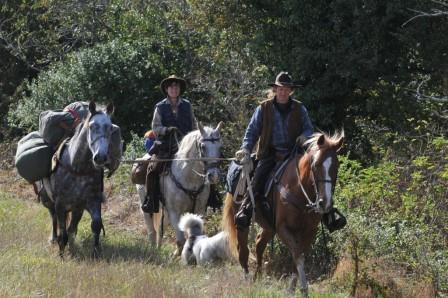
x=199 y=248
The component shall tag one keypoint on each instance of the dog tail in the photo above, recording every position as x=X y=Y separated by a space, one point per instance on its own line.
x=228 y=224
x=191 y=224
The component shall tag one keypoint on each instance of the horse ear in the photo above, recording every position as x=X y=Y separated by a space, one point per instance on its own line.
x=219 y=126
x=201 y=128
x=321 y=140
x=92 y=107
x=110 y=109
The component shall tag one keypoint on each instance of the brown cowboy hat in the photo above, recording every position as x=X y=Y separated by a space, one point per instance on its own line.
x=173 y=78
x=284 y=79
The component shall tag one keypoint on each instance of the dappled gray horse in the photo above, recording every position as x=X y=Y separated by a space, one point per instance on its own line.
x=77 y=183
x=187 y=187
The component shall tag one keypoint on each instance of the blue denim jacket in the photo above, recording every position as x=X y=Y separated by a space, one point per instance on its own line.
x=279 y=139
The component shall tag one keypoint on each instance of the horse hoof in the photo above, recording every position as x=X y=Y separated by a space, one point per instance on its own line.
x=292 y=284
x=304 y=292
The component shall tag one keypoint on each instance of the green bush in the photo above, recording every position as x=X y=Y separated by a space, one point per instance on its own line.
x=127 y=74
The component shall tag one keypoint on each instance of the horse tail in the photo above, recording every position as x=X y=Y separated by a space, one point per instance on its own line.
x=228 y=224
x=157 y=222
x=191 y=224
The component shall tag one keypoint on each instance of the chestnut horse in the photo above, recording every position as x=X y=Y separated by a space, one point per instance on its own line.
x=301 y=196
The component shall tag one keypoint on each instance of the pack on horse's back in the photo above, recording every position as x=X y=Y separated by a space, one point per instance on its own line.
x=77 y=182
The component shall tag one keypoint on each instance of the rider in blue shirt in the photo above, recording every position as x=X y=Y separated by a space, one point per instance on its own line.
x=276 y=125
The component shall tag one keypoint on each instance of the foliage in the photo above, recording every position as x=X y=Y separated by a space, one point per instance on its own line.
x=398 y=211
x=117 y=72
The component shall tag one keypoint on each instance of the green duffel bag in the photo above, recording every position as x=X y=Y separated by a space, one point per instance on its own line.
x=55 y=126
x=33 y=157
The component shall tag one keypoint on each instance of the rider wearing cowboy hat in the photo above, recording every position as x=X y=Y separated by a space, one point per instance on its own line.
x=172 y=115
x=276 y=124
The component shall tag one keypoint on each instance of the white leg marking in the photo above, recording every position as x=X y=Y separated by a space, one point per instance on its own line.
x=301 y=270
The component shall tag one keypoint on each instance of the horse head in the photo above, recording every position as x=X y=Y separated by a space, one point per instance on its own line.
x=324 y=166
x=210 y=147
x=99 y=133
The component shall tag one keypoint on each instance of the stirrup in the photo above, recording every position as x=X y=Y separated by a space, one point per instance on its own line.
x=148 y=205
x=243 y=217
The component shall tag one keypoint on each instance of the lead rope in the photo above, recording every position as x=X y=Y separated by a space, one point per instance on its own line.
x=327 y=254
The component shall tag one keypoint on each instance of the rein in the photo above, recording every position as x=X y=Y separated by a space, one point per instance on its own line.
x=179 y=159
x=191 y=193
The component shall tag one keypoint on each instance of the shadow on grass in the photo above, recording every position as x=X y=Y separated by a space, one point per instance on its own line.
x=113 y=250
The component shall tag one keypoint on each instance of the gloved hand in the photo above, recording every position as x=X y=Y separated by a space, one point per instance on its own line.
x=243 y=156
x=171 y=129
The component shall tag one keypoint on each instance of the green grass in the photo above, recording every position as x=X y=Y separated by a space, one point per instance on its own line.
x=129 y=267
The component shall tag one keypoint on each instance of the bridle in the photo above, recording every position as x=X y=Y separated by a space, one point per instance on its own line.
x=208 y=164
x=193 y=193
x=313 y=205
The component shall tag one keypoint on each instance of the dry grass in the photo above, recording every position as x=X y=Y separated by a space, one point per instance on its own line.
x=29 y=266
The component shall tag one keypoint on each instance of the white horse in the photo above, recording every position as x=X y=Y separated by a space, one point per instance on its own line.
x=199 y=248
x=187 y=186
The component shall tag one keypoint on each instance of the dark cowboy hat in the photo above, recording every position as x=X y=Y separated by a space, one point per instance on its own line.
x=284 y=79
x=173 y=78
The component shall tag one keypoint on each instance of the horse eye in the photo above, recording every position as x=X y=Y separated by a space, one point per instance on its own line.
x=203 y=146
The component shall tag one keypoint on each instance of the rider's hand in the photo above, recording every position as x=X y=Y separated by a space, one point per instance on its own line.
x=171 y=129
x=243 y=156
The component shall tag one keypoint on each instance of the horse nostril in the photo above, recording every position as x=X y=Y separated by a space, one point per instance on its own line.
x=98 y=158
x=321 y=203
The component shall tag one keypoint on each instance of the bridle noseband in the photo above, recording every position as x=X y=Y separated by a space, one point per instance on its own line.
x=313 y=205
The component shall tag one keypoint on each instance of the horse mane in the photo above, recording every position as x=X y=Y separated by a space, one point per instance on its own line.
x=311 y=156
x=312 y=141
x=187 y=146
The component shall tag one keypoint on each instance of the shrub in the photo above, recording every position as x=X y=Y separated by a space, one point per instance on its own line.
x=127 y=74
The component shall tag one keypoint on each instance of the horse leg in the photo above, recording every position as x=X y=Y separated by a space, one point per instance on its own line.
x=243 y=250
x=54 y=231
x=62 y=236
x=73 y=226
x=297 y=252
x=146 y=216
x=180 y=237
x=96 y=225
x=48 y=203
x=262 y=241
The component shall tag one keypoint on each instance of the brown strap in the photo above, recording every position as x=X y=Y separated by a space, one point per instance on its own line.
x=36 y=191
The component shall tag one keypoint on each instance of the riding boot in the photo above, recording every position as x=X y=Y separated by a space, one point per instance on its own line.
x=244 y=214
x=150 y=204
